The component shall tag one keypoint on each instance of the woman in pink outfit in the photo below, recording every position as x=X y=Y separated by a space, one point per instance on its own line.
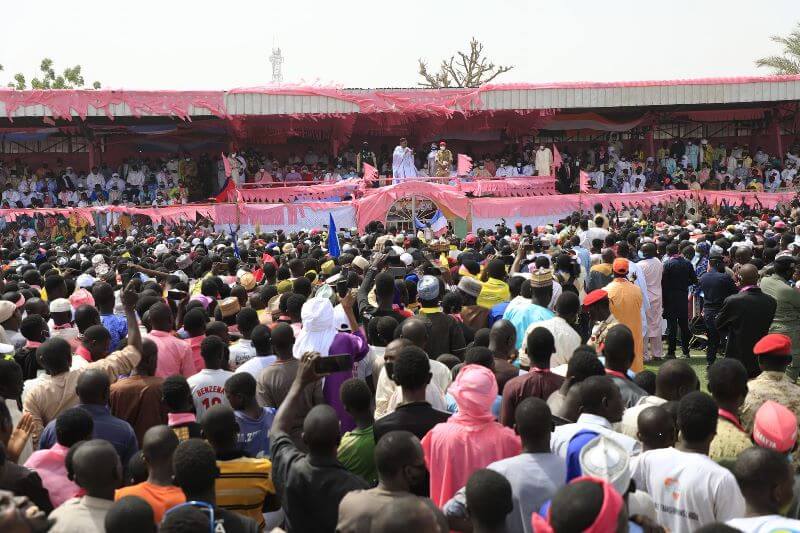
x=470 y=439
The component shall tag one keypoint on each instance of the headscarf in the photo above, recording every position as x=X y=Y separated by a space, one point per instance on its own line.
x=318 y=328
x=606 y=519
x=475 y=390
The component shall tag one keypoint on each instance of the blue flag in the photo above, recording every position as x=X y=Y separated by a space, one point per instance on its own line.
x=333 y=238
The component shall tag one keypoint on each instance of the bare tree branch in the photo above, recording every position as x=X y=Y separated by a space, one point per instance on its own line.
x=464 y=69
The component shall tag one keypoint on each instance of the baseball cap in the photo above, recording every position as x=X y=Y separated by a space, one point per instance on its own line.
x=620 y=265
x=775 y=427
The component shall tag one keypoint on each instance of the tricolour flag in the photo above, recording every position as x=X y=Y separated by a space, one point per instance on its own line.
x=333 y=238
x=438 y=223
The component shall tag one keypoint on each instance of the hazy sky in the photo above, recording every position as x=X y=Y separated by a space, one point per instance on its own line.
x=171 y=44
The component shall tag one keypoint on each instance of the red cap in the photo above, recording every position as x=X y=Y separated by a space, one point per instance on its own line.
x=775 y=427
x=620 y=265
x=471 y=239
x=780 y=224
x=594 y=297
x=773 y=344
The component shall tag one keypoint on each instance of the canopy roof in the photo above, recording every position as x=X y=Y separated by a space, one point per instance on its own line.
x=296 y=100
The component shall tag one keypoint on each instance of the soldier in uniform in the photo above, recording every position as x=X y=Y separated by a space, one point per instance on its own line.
x=774 y=355
x=365 y=155
x=597 y=305
x=444 y=161
x=787 y=312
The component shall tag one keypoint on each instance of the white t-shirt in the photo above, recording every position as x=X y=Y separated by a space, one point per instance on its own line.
x=208 y=388
x=255 y=365
x=765 y=524
x=688 y=489
x=240 y=352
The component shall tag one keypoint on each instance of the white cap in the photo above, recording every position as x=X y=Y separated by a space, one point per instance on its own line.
x=603 y=458
x=84 y=281
x=406 y=258
x=60 y=305
x=97 y=259
x=161 y=249
x=207 y=241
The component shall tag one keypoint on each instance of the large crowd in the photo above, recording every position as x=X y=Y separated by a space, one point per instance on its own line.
x=179 y=379
x=612 y=167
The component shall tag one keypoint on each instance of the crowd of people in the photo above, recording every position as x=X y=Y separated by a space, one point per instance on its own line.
x=177 y=379
x=612 y=167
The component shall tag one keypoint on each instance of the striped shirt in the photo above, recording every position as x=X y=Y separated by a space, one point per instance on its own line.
x=244 y=484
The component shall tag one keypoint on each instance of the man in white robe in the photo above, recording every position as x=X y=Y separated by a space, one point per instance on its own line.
x=403 y=162
x=544 y=160
x=432 y=159
x=652 y=269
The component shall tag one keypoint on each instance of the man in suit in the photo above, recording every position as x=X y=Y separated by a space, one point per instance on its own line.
x=746 y=317
x=678 y=275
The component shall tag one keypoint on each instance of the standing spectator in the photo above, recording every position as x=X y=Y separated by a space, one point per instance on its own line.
x=254 y=421
x=727 y=383
x=244 y=484
x=357 y=449
x=177 y=398
x=787 y=311
x=653 y=271
x=274 y=383
x=470 y=439
x=243 y=350
x=535 y=475
x=93 y=391
x=310 y=486
x=450 y=336
x=260 y=338
x=196 y=472
x=677 y=277
x=618 y=353
x=689 y=489
x=97 y=471
x=774 y=356
x=625 y=300
x=138 y=397
x=746 y=317
x=103 y=296
x=158 y=447
x=208 y=385
x=716 y=285
x=56 y=391
x=194 y=324
x=174 y=354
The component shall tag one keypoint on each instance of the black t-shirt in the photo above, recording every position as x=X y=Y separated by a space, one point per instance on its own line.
x=416 y=417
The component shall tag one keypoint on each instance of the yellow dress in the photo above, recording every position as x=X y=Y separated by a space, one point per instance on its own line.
x=78 y=226
x=626 y=306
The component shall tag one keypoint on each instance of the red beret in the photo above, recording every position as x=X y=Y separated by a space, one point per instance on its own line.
x=594 y=297
x=773 y=344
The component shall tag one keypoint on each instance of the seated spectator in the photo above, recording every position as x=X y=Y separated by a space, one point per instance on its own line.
x=158 y=491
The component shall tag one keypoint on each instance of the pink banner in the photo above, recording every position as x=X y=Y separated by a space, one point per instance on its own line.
x=370 y=172
x=523 y=186
x=299 y=192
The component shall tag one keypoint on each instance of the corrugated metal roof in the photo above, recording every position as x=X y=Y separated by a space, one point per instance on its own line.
x=298 y=100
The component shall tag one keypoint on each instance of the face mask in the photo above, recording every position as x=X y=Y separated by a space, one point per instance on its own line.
x=389 y=366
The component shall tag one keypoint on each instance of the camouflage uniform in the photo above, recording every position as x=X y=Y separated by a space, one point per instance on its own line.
x=770 y=385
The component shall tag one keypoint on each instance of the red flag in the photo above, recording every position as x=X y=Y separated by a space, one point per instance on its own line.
x=584 y=181
x=227 y=192
x=226 y=164
x=370 y=173
x=464 y=165
x=557 y=160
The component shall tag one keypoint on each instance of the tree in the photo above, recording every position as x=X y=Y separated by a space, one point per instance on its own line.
x=789 y=62
x=465 y=69
x=70 y=78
